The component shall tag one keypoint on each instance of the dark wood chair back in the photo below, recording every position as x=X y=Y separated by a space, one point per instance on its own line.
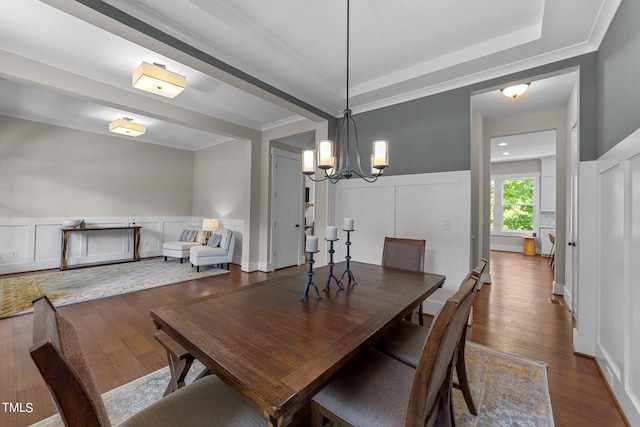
x=404 y=253
x=478 y=270
x=57 y=353
x=431 y=389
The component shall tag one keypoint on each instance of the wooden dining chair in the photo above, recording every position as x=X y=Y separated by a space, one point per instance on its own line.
x=407 y=254
x=58 y=355
x=406 y=340
x=552 y=254
x=378 y=390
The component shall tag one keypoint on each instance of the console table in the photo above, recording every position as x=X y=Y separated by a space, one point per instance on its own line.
x=67 y=230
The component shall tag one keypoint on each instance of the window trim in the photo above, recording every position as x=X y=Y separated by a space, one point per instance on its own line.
x=498 y=207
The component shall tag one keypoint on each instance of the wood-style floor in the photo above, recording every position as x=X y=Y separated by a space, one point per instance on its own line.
x=512 y=314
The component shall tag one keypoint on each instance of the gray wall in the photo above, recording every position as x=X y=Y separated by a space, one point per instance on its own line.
x=221 y=181
x=433 y=134
x=429 y=134
x=618 y=71
x=49 y=171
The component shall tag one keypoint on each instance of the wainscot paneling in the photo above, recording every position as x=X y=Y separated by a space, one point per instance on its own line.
x=29 y=244
x=435 y=207
x=618 y=251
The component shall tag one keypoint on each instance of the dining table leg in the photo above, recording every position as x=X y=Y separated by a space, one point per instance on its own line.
x=274 y=422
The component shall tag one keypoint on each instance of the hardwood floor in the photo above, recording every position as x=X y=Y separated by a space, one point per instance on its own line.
x=512 y=314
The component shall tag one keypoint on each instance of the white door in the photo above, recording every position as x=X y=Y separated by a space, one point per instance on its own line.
x=286 y=208
x=571 y=252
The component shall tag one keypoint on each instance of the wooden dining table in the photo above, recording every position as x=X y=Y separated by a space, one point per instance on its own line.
x=278 y=351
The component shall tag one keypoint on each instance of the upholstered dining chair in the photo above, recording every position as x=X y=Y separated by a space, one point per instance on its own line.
x=406 y=340
x=407 y=254
x=378 y=390
x=57 y=353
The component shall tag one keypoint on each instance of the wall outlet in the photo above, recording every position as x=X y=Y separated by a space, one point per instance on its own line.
x=446 y=224
x=14 y=253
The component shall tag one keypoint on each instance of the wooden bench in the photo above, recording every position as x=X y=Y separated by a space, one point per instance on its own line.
x=180 y=361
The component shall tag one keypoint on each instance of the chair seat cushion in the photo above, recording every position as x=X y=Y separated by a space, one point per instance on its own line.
x=404 y=342
x=207 y=251
x=205 y=402
x=180 y=246
x=373 y=390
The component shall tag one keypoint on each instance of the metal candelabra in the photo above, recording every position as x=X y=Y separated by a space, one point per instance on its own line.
x=310 y=278
x=348 y=258
x=331 y=264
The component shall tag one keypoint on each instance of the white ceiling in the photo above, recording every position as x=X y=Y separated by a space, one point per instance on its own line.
x=74 y=68
x=526 y=146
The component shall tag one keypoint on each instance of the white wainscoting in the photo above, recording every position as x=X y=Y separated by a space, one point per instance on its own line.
x=28 y=244
x=420 y=206
x=617 y=294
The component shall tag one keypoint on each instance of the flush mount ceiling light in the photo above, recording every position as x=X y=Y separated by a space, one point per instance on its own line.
x=126 y=126
x=515 y=90
x=155 y=78
x=335 y=158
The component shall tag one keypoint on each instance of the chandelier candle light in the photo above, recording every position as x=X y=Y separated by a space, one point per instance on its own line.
x=335 y=158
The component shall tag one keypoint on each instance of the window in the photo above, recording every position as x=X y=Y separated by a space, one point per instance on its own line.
x=513 y=200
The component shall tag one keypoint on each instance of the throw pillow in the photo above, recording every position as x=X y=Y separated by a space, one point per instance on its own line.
x=214 y=240
x=188 y=235
x=203 y=236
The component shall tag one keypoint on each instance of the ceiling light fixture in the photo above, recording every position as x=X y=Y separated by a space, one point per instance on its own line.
x=335 y=158
x=503 y=144
x=515 y=90
x=126 y=126
x=155 y=78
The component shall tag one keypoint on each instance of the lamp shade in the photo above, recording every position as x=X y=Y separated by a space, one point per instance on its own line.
x=325 y=154
x=127 y=127
x=380 y=154
x=308 y=162
x=155 y=78
x=210 y=224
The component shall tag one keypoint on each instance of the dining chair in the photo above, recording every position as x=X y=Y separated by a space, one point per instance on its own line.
x=552 y=254
x=378 y=390
x=406 y=340
x=407 y=254
x=58 y=355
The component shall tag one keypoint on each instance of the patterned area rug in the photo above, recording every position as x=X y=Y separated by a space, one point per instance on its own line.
x=508 y=391
x=83 y=284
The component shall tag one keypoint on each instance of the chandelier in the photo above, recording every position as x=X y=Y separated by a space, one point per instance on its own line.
x=335 y=159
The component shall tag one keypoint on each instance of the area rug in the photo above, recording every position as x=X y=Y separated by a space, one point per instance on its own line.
x=84 y=284
x=508 y=391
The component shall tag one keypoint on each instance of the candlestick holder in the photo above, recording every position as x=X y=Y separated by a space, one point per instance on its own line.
x=331 y=264
x=348 y=272
x=305 y=293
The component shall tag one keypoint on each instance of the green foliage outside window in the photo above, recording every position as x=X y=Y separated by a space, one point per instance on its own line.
x=517 y=202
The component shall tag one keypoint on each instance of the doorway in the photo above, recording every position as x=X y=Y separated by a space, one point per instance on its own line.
x=551 y=102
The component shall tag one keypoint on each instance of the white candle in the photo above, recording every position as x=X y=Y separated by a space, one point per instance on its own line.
x=312 y=244
x=348 y=224
x=332 y=232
